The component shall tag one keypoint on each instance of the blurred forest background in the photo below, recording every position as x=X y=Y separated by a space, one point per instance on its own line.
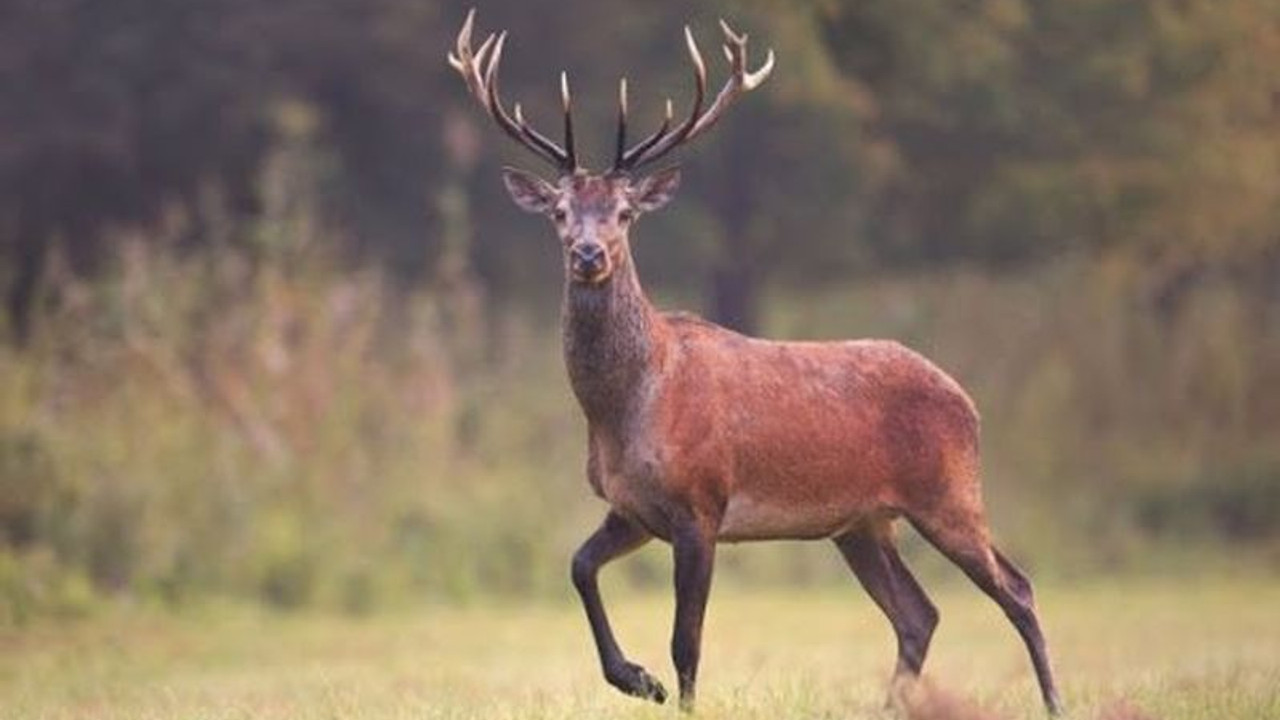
x=272 y=330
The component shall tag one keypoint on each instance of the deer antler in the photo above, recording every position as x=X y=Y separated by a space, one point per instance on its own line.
x=479 y=68
x=661 y=143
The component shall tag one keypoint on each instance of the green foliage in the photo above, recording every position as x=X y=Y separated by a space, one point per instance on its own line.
x=207 y=389
x=34 y=584
x=906 y=131
x=1241 y=504
x=1018 y=129
x=30 y=493
x=201 y=426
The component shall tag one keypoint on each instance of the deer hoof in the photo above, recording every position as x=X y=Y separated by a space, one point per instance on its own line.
x=636 y=681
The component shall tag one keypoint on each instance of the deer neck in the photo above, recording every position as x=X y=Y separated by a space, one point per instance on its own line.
x=611 y=346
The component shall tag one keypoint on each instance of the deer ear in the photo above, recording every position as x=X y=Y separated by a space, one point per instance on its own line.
x=530 y=192
x=654 y=191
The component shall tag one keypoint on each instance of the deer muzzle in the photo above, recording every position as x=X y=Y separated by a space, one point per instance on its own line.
x=589 y=262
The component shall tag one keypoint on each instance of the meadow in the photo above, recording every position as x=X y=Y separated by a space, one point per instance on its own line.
x=284 y=492
x=285 y=430
x=1190 y=650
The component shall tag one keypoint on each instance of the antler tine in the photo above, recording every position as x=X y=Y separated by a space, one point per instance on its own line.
x=571 y=155
x=740 y=79
x=736 y=52
x=621 y=145
x=663 y=143
x=525 y=134
x=479 y=68
x=480 y=71
x=493 y=103
x=462 y=44
x=629 y=158
x=468 y=64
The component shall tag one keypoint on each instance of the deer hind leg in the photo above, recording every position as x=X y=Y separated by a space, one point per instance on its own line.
x=615 y=537
x=962 y=537
x=870 y=553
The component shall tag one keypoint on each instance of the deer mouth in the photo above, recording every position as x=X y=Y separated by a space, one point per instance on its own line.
x=592 y=276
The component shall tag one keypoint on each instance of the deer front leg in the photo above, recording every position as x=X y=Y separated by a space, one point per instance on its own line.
x=694 y=548
x=616 y=537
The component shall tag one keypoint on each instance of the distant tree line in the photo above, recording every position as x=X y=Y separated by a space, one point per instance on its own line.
x=903 y=133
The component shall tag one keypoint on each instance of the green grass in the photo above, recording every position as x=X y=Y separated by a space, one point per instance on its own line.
x=1175 y=650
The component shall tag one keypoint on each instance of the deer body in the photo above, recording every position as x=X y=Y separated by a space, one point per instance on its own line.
x=699 y=435
x=763 y=440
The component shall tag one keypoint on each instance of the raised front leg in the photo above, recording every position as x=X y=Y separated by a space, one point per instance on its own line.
x=616 y=537
x=694 y=548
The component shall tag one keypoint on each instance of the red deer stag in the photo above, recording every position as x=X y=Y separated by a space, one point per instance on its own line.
x=697 y=434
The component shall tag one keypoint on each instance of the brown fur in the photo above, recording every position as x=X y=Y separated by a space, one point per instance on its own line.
x=780 y=439
x=793 y=440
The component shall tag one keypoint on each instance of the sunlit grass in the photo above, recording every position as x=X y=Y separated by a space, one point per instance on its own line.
x=1174 y=650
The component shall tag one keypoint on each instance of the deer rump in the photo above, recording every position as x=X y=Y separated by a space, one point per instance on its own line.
x=801 y=440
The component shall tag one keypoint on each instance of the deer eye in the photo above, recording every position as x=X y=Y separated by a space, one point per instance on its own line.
x=559 y=215
x=626 y=215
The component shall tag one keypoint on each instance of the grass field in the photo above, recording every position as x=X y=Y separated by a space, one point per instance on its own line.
x=1173 y=650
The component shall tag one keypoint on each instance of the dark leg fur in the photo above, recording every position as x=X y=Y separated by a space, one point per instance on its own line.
x=1008 y=586
x=615 y=537
x=891 y=585
x=694 y=559
x=1019 y=605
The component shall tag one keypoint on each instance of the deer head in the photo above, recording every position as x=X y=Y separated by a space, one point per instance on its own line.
x=593 y=212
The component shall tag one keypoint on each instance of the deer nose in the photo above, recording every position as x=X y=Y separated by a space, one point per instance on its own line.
x=587 y=258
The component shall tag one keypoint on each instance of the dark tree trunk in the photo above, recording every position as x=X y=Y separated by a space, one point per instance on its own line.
x=733 y=285
x=28 y=258
x=734 y=296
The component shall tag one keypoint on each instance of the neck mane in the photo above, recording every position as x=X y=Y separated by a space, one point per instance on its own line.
x=611 y=341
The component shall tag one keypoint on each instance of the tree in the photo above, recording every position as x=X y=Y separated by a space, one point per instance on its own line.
x=1020 y=129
